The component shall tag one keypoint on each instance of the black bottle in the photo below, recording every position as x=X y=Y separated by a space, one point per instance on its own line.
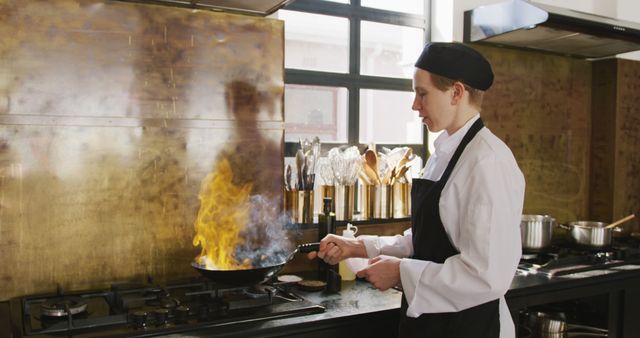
x=326 y=225
x=326 y=220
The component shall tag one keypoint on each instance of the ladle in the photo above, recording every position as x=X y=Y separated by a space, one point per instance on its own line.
x=620 y=221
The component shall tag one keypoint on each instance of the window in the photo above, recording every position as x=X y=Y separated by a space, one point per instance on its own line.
x=386 y=117
x=316 y=110
x=307 y=47
x=406 y=6
x=389 y=50
x=348 y=69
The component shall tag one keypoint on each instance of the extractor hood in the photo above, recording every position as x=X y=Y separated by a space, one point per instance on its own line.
x=251 y=7
x=521 y=24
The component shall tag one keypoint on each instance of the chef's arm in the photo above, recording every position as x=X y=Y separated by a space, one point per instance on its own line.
x=398 y=245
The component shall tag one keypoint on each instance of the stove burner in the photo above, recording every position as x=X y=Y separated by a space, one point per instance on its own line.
x=259 y=291
x=563 y=263
x=139 y=310
x=529 y=256
x=164 y=302
x=58 y=307
x=156 y=292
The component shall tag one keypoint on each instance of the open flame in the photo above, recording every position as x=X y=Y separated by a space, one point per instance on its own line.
x=223 y=215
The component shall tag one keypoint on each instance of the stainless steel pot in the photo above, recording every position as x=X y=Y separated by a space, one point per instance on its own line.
x=536 y=232
x=554 y=325
x=591 y=234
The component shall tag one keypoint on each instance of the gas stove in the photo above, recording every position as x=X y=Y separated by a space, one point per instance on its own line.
x=127 y=310
x=564 y=259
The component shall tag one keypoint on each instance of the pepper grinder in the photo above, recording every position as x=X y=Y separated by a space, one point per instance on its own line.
x=327 y=225
x=326 y=221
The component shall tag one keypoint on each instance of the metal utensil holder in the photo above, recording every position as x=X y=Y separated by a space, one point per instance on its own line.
x=366 y=201
x=382 y=201
x=327 y=191
x=299 y=205
x=401 y=200
x=344 y=197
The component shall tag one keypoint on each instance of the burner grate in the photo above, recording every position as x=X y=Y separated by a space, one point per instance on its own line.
x=565 y=261
x=180 y=307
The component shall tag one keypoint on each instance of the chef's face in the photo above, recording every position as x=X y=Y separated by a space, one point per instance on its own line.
x=433 y=105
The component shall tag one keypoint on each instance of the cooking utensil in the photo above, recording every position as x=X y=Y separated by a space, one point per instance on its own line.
x=372 y=161
x=305 y=177
x=315 y=152
x=406 y=158
x=287 y=177
x=536 y=232
x=594 y=235
x=247 y=277
x=554 y=324
x=371 y=174
x=620 y=221
x=299 y=162
x=399 y=176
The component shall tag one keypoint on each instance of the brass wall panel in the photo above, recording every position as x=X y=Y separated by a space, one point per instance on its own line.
x=627 y=156
x=603 y=139
x=111 y=115
x=540 y=106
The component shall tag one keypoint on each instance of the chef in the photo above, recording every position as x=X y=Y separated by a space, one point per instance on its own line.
x=458 y=259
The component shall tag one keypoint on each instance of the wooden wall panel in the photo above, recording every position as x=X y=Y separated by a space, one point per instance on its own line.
x=540 y=106
x=111 y=115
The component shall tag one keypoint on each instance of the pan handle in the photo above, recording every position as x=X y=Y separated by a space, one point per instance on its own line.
x=564 y=226
x=309 y=247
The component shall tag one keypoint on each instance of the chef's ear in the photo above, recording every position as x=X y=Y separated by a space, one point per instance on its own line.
x=458 y=91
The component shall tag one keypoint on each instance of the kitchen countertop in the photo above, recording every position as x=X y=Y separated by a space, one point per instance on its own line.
x=528 y=284
x=359 y=306
x=347 y=312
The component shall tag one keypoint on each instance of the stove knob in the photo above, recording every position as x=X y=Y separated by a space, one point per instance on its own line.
x=182 y=313
x=162 y=316
x=139 y=319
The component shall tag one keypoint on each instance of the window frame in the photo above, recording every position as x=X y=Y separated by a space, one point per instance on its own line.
x=353 y=81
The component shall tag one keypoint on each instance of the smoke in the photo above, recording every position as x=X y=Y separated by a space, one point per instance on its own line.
x=266 y=241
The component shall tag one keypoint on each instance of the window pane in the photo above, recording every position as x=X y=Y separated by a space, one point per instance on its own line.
x=315 y=42
x=404 y=6
x=389 y=50
x=315 y=111
x=386 y=117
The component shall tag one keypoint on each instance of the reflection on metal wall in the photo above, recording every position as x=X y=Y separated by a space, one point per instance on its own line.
x=540 y=106
x=111 y=115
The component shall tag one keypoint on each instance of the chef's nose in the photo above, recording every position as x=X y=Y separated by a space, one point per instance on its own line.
x=416 y=103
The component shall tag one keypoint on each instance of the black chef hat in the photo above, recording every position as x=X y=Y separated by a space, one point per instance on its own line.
x=457 y=62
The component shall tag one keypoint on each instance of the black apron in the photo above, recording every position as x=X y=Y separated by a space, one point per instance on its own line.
x=431 y=243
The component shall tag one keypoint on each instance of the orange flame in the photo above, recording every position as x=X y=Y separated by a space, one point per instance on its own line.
x=223 y=214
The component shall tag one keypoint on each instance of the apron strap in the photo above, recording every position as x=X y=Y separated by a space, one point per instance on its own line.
x=475 y=128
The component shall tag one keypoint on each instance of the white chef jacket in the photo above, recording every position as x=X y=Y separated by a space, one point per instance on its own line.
x=480 y=208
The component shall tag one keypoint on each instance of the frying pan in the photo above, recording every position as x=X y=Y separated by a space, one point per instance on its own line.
x=248 y=277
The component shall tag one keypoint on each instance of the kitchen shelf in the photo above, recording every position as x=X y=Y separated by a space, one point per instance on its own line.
x=355 y=222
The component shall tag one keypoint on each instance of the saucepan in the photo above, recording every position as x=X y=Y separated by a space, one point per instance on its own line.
x=554 y=325
x=248 y=277
x=590 y=234
x=536 y=232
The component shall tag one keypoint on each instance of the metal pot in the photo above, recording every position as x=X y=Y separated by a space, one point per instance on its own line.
x=248 y=277
x=554 y=325
x=536 y=232
x=591 y=234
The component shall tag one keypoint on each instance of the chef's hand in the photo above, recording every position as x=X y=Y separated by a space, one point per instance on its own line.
x=334 y=248
x=383 y=272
